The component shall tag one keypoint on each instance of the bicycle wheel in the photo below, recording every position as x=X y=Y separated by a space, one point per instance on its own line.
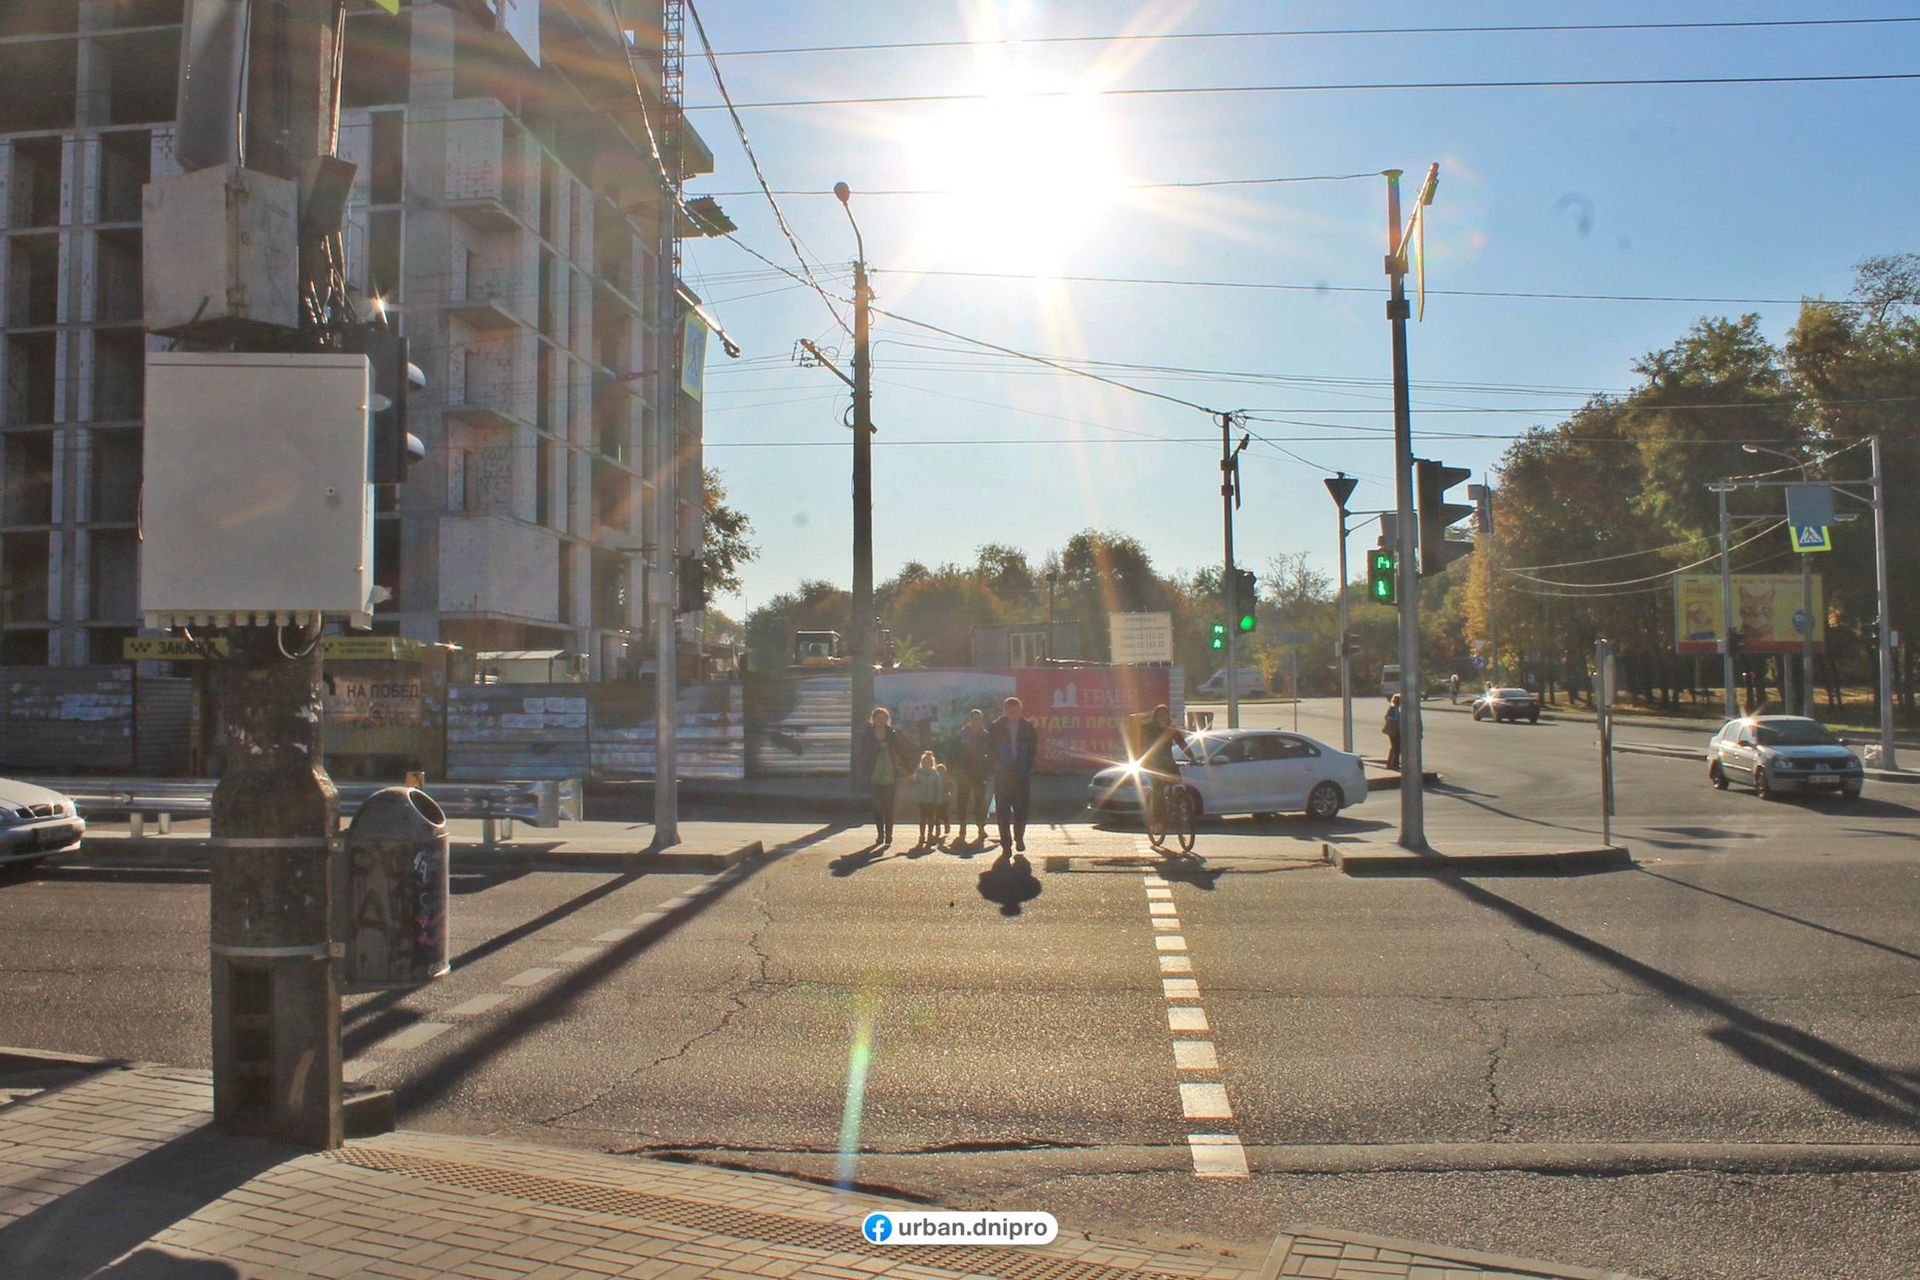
x=1182 y=818
x=1153 y=812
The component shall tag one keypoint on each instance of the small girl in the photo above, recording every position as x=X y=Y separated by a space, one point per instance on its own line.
x=928 y=788
x=946 y=802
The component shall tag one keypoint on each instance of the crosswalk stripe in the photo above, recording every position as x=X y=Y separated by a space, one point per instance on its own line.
x=1218 y=1155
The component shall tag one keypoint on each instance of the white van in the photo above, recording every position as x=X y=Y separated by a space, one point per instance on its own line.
x=1389 y=679
x=1250 y=683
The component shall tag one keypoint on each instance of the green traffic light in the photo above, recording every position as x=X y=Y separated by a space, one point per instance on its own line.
x=1247 y=622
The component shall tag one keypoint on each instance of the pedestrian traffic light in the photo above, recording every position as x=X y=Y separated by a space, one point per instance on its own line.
x=1219 y=639
x=1245 y=601
x=1733 y=640
x=1349 y=644
x=1382 y=566
x=692 y=582
x=391 y=448
x=1432 y=480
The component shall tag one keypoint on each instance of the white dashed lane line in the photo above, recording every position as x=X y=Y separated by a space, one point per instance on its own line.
x=529 y=978
x=1215 y=1155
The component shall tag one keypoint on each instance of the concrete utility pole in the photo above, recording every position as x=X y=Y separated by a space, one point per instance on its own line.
x=275 y=992
x=1888 y=759
x=1229 y=590
x=860 y=660
x=1413 y=833
x=1341 y=486
x=1732 y=707
x=664 y=594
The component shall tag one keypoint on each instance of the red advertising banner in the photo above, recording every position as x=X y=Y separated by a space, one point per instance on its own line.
x=1079 y=710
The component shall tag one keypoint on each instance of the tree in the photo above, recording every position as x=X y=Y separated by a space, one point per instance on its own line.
x=724 y=545
x=816 y=606
x=1886 y=281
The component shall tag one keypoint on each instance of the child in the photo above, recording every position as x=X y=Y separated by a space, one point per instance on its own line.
x=928 y=788
x=946 y=802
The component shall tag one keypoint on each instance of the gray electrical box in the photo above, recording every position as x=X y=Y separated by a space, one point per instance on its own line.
x=255 y=508
x=221 y=252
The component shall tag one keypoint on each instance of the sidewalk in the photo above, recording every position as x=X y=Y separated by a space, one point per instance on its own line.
x=114 y=1171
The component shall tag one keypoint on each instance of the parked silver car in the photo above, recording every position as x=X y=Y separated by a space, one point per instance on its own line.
x=1776 y=754
x=36 y=822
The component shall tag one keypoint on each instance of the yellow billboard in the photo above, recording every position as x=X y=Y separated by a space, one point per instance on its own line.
x=1767 y=606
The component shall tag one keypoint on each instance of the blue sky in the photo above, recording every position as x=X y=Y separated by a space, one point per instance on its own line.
x=1762 y=191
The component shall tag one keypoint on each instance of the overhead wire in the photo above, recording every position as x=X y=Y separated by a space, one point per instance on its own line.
x=1655 y=577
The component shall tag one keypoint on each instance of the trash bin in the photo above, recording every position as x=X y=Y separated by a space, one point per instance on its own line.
x=395 y=910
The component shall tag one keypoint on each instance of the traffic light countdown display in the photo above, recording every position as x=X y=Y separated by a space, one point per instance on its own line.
x=1381 y=567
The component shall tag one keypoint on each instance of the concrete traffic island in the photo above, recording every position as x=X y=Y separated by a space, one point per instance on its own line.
x=1476 y=857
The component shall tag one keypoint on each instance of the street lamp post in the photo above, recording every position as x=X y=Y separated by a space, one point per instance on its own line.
x=1806 y=592
x=1341 y=486
x=861 y=632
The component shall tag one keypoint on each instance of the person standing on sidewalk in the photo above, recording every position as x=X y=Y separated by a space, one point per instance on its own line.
x=1453 y=688
x=1015 y=747
x=1391 y=727
x=882 y=760
x=972 y=766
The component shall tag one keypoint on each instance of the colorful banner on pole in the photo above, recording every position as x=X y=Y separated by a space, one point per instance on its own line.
x=1766 y=604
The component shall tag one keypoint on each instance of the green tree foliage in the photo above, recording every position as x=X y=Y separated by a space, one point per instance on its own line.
x=724 y=543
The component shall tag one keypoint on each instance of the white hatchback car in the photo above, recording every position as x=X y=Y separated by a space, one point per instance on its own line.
x=1246 y=771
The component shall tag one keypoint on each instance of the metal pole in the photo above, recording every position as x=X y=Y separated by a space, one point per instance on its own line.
x=1888 y=760
x=1346 y=659
x=1726 y=609
x=1493 y=597
x=1233 y=608
x=1806 y=634
x=861 y=659
x=1413 y=833
x=1293 y=679
x=665 y=600
x=1053 y=581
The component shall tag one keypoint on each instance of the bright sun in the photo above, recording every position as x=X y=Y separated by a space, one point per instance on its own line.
x=1026 y=179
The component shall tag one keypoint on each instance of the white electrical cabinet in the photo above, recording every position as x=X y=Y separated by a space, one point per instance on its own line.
x=255 y=507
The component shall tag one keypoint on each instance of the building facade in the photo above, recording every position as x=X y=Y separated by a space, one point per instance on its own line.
x=508 y=214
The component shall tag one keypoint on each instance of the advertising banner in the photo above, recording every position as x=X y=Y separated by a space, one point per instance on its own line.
x=1078 y=710
x=1141 y=637
x=1767 y=607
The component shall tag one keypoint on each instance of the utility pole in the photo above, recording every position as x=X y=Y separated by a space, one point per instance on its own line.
x=1229 y=499
x=1413 y=834
x=861 y=633
x=1493 y=596
x=665 y=594
x=1732 y=707
x=1341 y=486
x=1888 y=759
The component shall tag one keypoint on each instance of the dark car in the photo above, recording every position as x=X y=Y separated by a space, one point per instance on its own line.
x=1507 y=705
x=1774 y=754
x=36 y=822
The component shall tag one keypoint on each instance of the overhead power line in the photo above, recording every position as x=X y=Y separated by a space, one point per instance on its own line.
x=1125 y=186
x=1299 y=33
x=1218 y=90
x=1652 y=577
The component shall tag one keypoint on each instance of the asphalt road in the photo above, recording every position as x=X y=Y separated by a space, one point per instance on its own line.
x=1705 y=1066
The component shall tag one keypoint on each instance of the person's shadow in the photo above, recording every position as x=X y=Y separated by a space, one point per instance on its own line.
x=847 y=864
x=1010 y=882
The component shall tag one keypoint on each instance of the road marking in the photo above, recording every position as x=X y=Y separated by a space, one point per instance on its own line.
x=1185 y=1019
x=1195 y=1055
x=1159 y=893
x=676 y=903
x=476 y=1006
x=1204 y=1101
x=354 y=1070
x=1217 y=1155
x=1154 y=882
x=1180 y=988
x=1165 y=925
x=575 y=955
x=646 y=918
x=529 y=977
x=1176 y=964
x=416 y=1035
x=1173 y=942
x=615 y=935
x=1162 y=909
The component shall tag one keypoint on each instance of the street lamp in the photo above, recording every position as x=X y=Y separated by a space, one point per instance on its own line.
x=1806 y=590
x=862 y=628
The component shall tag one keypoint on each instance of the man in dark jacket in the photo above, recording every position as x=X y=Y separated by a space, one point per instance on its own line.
x=971 y=764
x=1015 y=744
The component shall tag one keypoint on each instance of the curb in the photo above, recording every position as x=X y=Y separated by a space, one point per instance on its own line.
x=1500 y=1263
x=1374 y=860
x=191 y=853
x=1391 y=781
x=15 y=1058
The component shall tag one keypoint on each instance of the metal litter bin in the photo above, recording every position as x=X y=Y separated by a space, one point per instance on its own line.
x=395 y=909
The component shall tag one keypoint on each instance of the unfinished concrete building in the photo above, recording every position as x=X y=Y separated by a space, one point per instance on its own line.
x=509 y=215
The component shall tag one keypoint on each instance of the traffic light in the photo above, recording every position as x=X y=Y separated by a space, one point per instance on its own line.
x=1431 y=481
x=1381 y=568
x=1219 y=637
x=1245 y=601
x=692 y=582
x=391 y=448
x=1349 y=644
x=1733 y=641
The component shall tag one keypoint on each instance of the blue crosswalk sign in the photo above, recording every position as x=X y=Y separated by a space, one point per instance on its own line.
x=1812 y=537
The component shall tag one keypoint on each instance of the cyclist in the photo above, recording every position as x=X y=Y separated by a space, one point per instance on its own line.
x=1158 y=737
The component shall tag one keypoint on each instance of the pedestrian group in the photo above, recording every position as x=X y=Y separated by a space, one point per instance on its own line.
x=997 y=758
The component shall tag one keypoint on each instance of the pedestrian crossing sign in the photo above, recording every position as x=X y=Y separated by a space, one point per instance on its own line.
x=1813 y=537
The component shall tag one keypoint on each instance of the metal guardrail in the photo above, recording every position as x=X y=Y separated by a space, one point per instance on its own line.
x=544 y=803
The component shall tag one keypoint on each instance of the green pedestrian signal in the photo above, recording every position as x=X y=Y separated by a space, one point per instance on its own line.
x=1219 y=640
x=1382 y=567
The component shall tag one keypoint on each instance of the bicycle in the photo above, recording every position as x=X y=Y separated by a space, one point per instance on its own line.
x=1169 y=806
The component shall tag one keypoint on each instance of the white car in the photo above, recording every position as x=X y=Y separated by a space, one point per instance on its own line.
x=1250 y=684
x=36 y=822
x=1245 y=771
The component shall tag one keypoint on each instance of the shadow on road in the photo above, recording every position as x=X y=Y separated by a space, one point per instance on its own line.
x=440 y=1076
x=1875 y=943
x=1830 y=1072
x=1010 y=882
x=848 y=863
